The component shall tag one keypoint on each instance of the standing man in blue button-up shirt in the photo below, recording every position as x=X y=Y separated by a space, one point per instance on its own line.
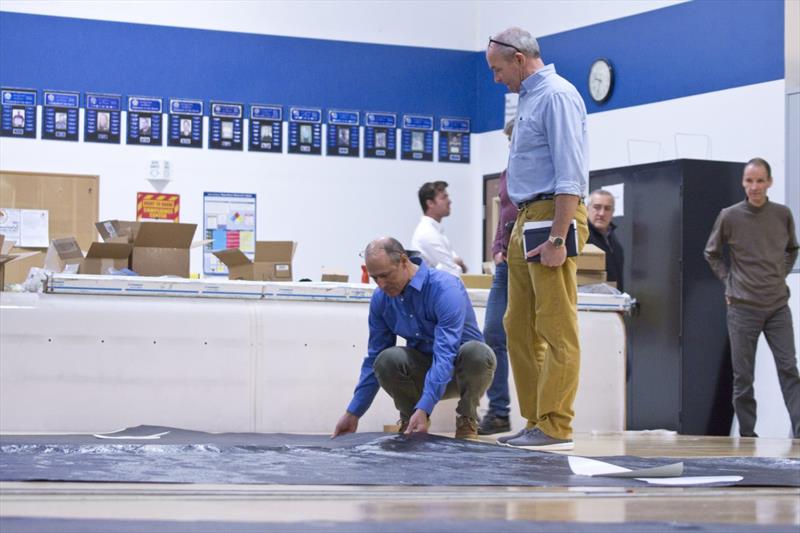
x=444 y=357
x=547 y=176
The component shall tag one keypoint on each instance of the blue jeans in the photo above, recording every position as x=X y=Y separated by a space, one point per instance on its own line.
x=495 y=337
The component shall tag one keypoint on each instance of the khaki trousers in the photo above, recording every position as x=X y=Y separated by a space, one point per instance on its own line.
x=541 y=325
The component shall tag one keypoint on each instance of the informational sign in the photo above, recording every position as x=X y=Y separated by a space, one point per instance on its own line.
x=343 y=135
x=155 y=207
x=417 y=138
x=60 y=112
x=266 y=133
x=617 y=190
x=453 y=140
x=144 y=120
x=229 y=221
x=226 y=126
x=28 y=228
x=103 y=122
x=380 y=135
x=185 y=123
x=18 y=108
x=305 y=130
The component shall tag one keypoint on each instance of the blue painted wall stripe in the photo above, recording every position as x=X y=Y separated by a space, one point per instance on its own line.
x=682 y=50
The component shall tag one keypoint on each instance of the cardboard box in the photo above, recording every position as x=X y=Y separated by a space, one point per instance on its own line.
x=273 y=261
x=15 y=268
x=477 y=281
x=161 y=249
x=340 y=278
x=118 y=230
x=589 y=277
x=63 y=255
x=103 y=256
x=591 y=258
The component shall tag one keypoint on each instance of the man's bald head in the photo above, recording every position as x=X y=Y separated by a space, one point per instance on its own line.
x=385 y=245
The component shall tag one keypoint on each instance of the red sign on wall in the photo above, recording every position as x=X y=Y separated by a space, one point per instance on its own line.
x=158 y=207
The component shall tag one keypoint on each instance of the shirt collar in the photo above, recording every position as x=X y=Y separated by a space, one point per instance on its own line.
x=532 y=81
x=432 y=221
x=418 y=281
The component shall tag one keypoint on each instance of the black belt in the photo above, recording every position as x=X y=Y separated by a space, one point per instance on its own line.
x=537 y=198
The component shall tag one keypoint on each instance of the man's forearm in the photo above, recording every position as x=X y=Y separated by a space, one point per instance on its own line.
x=565 y=207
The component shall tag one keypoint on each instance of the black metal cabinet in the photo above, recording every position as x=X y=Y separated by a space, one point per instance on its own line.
x=680 y=374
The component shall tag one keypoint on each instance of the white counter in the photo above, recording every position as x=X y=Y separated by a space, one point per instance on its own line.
x=277 y=362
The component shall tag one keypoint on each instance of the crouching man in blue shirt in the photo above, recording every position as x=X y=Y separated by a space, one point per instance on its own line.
x=444 y=357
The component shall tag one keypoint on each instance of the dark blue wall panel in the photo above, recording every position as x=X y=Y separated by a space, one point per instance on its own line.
x=692 y=48
x=62 y=53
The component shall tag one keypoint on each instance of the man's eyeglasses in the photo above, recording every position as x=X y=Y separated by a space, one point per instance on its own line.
x=501 y=43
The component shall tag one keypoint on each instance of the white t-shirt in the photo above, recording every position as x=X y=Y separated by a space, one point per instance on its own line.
x=430 y=241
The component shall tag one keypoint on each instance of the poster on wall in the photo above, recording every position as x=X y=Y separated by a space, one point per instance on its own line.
x=60 y=116
x=155 y=207
x=28 y=228
x=417 y=140
x=102 y=121
x=229 y=221
x=454 y=140
x=305 y=130
x=343 y=134
x=185 y=123
x=18 y=108
x=380 y=135
x=144 y=120
x=226 y=126
x=266 y=133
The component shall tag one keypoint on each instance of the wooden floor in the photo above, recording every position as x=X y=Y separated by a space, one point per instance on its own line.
x=348 y=504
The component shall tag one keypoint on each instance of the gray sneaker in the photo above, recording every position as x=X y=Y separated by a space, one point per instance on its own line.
x=536 y=439
x=493 y=423
x=506 y=438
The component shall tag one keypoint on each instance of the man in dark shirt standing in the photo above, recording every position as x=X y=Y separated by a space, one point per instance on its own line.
x=444 y=356
x=601 y=234
x=762 y=248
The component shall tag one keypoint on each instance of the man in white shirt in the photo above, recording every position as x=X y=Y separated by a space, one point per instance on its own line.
x=429 y=238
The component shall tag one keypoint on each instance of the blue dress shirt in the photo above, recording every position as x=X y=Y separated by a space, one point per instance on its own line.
x=435 y=317
x=549 y=149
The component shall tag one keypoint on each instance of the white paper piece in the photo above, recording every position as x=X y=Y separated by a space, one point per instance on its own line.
x=113 y=435
x=34 y=229
x=583 y=466
x=618 y=191
x=690 y=480
x=592 y=467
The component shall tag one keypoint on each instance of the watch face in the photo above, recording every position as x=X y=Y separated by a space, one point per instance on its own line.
x=601 y=80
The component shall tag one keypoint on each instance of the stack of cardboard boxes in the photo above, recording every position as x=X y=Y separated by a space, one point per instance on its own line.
x=149 y=249
x=591 y=265
x=146 y=248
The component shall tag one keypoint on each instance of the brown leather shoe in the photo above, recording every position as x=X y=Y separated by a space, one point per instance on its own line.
x=466 y=428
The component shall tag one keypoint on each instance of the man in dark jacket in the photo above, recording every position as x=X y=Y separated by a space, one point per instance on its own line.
x=601 y=234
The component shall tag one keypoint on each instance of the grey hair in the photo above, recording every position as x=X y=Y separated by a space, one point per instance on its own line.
x=519 y=38
x=389 y=245
x=603 y=192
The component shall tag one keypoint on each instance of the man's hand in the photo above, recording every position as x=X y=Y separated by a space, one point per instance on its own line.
x=499 y=258
x=348 y=423
x=418 y=423
x=460 y=262
x=550 y=255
